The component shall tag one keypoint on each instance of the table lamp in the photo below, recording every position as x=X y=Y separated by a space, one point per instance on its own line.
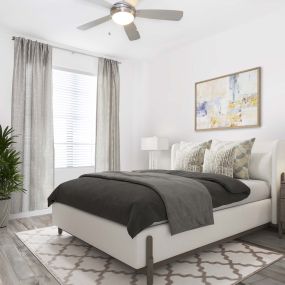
x=153 y=145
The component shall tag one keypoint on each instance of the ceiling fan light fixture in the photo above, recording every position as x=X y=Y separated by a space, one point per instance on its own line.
x=123 y=18
x=122 y=13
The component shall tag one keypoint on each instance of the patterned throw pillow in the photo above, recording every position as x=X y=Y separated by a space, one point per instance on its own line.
x=242 y=155
x=190 y=157
x=220 y=162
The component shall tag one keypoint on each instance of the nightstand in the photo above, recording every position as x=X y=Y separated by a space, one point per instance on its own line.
x=281 y=221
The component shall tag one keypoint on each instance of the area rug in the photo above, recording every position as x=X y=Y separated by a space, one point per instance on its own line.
x=71 y=261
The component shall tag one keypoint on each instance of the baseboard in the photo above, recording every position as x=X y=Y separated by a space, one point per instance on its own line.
x=30 y=214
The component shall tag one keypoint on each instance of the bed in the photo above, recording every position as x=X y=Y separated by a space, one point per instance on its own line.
x=155 y=244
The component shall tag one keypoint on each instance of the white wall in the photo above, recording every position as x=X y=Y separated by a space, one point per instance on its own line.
x=157 y=97
x=133 y=106
x=172 y=77
x=6 y=75
x=74 y=61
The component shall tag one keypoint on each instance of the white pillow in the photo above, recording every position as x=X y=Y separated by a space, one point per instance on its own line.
x=242 y=155
x=260 y=167
x=190 y=156
x=220 y=161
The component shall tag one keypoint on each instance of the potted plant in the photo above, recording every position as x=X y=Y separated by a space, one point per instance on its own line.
x=10 y=178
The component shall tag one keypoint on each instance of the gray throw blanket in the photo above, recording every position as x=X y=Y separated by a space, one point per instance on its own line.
x=187 y=201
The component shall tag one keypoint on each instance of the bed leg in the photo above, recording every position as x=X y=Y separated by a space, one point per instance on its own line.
x=149 y=260
x=59 y=230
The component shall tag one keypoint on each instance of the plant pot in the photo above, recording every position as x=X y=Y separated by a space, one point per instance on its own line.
x=5 y=206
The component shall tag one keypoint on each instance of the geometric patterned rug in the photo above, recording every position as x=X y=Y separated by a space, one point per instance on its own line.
x=72 y=261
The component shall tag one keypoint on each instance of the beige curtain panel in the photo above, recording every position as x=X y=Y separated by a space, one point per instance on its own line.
x=32 y=120
x=107 y=154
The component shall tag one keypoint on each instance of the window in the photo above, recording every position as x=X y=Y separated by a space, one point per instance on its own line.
x=74 y=111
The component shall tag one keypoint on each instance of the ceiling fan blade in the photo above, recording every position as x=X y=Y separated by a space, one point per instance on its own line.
x=132 y=32
x=103 y=3
x=169 y=15
x=94 y=23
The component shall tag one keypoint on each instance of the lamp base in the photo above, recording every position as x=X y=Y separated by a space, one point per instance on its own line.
x=153 y=160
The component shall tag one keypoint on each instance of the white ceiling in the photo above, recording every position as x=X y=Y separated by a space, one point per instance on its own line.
x=56 y=21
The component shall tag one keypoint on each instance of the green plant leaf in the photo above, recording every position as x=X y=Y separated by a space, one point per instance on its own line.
x=11 y=179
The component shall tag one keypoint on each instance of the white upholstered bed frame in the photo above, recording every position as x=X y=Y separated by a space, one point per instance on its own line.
x=156 y=242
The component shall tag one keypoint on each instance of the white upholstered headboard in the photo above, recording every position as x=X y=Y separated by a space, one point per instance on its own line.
x=267 y=163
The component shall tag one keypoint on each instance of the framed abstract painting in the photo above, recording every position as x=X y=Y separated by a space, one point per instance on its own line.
x=230 y=101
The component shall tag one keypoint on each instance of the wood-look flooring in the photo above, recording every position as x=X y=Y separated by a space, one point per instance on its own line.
x=19 y=266
x=17 y=263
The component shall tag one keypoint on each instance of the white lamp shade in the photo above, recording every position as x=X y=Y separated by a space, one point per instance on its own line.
x=154 y=143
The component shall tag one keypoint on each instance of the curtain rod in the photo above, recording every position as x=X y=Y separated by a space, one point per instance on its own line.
x=74 y=51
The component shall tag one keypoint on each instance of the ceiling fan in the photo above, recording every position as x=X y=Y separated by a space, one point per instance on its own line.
x=124 y=13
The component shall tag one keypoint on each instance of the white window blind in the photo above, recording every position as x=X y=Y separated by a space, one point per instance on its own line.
x=74 y=111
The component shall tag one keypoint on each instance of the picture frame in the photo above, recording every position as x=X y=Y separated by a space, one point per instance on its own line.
x=230 y=101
